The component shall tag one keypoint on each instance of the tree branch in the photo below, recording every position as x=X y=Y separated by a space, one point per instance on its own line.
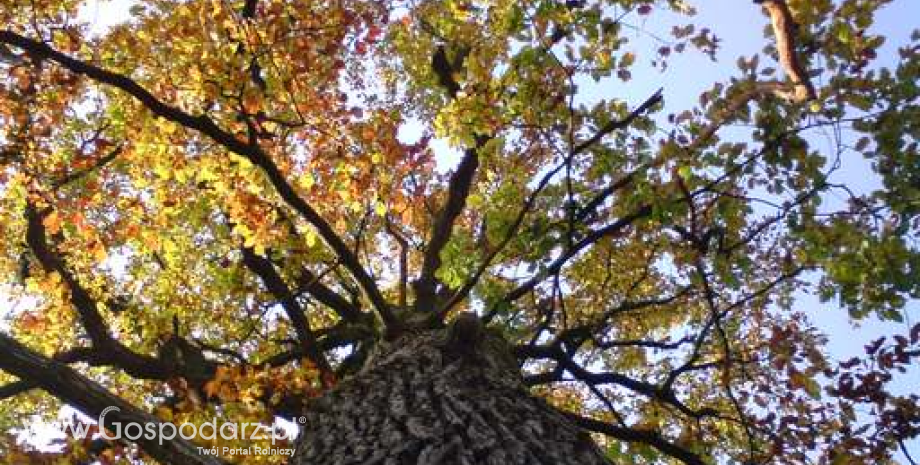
x=15 y=388
x=78 y=354
x=515 y=225
x=107 y=347
x=784 y=30
x=633 y=435
x=457 y=191
x=803 y=89
x=77 y=175
x=206 y=126
x=265 y=270
x=402 y=285
x=619 y=124
x=565 y=362
x=560 y=261
x=92 y=399
x=310 y=283
x=726 y=109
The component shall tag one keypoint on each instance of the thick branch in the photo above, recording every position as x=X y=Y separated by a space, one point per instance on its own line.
x=206 y=126
x=15 y=388
x=728 y=108
x=512 y=231
x=402 y=285
x=265 y=270
x=518 y=221
x=784 y=30
x=92 y=399
x=311 y=284
x=107 y=347
x=457 y=191
x=79 y=354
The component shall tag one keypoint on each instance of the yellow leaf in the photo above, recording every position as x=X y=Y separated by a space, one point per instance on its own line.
x=164 y=171
x=99 y=252
x=306 y=180
x=169 y=247
x=52 y=223
x=310 y=238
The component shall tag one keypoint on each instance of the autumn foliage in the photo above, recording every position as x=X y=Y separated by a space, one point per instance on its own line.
x=216 y=209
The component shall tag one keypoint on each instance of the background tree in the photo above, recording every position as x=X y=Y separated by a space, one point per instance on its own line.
x=408 y=223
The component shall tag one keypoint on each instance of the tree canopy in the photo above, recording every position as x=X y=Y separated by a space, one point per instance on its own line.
x=217 y=209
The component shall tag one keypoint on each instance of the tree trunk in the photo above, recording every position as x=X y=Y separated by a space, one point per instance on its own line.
x=437 y=398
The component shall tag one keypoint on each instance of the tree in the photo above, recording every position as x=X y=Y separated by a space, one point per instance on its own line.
x=240 y=210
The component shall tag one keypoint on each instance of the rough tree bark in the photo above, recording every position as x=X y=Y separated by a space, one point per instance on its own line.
x=451 y=396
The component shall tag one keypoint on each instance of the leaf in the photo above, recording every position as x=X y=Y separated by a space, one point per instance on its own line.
x=52 y=222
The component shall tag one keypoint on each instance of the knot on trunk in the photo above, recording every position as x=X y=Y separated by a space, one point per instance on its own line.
x=465 y=333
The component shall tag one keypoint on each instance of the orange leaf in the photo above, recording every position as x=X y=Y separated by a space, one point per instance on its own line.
x=52 y=223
